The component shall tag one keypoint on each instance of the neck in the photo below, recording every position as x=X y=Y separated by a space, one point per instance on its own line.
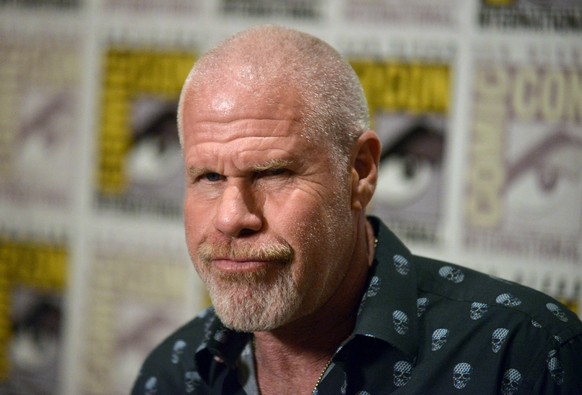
x=294 y=356
x=288 y=364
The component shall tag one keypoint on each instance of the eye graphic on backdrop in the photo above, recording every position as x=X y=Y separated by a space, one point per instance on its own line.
x=154 y=162
x=408 y=164
x=45 y=142
x=546 y=176
x=34 y=349
x=153 y=155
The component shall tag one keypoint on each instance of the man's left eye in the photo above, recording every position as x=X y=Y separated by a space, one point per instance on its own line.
x=276 y=172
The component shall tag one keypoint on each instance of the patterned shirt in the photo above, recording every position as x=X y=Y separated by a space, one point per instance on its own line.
x=423 y=327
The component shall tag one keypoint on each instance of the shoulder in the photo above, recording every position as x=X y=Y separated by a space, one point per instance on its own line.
x=465 y=287
x=514 y=330
x=170 y=366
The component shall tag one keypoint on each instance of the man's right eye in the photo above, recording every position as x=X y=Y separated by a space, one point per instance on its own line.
x=212 y=177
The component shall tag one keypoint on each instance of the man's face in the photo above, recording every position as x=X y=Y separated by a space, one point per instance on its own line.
x=269 y=227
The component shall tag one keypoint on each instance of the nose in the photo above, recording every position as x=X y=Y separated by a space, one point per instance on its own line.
x=238 y=214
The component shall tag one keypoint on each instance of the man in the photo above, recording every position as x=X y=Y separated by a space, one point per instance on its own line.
x=309 y=295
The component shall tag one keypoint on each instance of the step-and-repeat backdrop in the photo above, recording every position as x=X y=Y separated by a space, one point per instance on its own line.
x=478 y=104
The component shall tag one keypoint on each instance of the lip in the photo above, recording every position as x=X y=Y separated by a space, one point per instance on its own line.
x=234 y=267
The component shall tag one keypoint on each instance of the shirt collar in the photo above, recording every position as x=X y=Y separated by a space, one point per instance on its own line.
x=388 y=310
x=221 y=346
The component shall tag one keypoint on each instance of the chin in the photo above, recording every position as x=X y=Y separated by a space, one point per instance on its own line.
x=255 y=309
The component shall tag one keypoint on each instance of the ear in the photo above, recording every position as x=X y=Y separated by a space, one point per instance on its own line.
x=365 y=162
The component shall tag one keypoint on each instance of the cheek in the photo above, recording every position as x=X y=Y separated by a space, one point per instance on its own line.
x=196 y=217
x=304 y=222
x=292 y=215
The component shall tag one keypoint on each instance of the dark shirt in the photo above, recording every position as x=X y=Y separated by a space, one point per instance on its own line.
x=423 y=327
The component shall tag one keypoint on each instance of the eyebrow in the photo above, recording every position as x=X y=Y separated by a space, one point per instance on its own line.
x=272 y=164
x=196 y=172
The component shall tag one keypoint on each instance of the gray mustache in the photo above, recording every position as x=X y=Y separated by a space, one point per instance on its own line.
x=280 y=252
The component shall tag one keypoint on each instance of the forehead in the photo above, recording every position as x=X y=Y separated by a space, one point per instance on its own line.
x=245 y=145
x=236 y=117
x=258 y=131
x=243 y=124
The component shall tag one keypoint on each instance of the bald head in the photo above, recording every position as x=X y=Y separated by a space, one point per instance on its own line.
x=332 y=104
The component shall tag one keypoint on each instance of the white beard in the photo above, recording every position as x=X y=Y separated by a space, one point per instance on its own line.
x=257 y=302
